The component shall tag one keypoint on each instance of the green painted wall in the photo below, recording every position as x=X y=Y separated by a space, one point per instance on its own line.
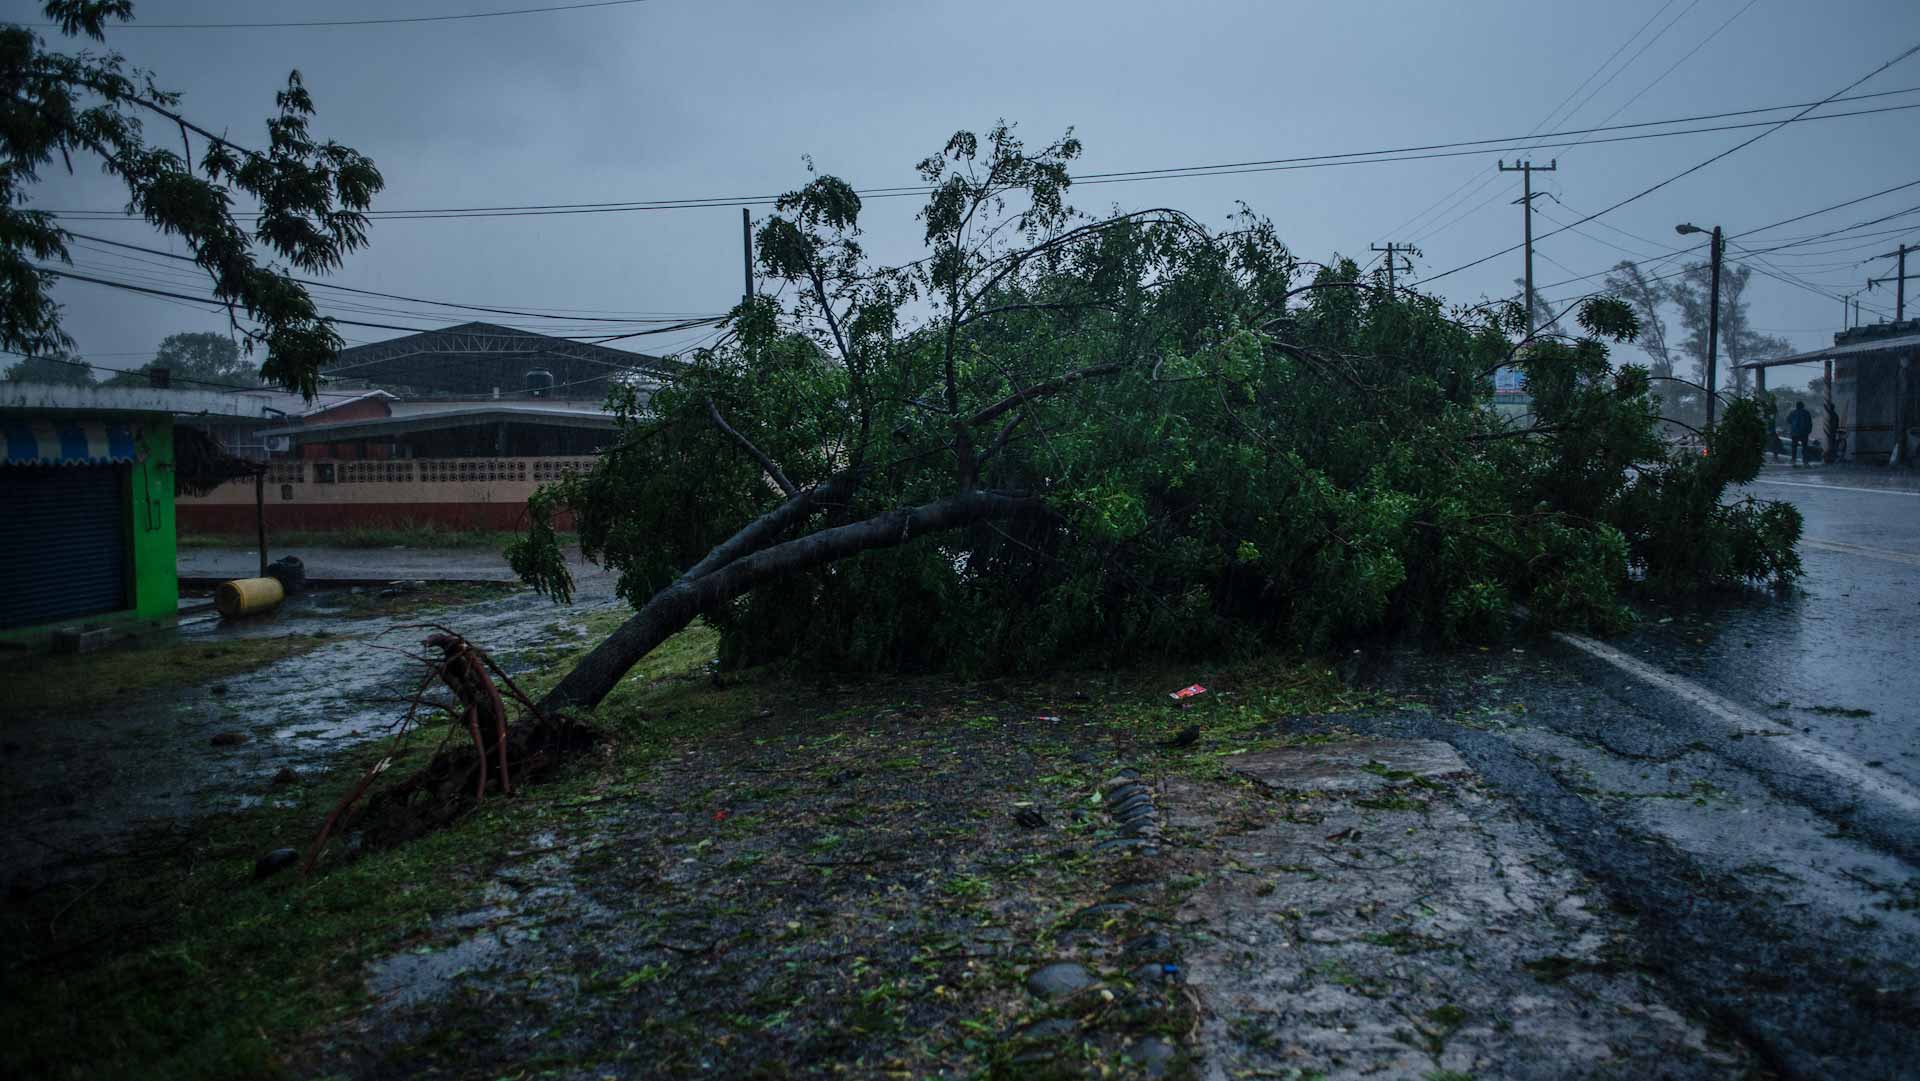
x=152 y=565
x=155 y=578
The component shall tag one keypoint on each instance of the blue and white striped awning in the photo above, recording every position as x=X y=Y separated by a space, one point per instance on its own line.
x=65 y=442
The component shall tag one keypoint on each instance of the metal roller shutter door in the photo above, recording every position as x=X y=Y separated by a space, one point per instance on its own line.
x=63 y=545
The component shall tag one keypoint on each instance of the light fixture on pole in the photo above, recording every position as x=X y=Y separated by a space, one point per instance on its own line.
x=1718 y=247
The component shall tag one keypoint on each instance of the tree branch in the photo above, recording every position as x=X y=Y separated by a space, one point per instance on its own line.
x=671 y=609
x=826 y=310
x=1042 y=389
x=999 y=442
x=1015 y=260
x=766 y=463
x=1512 y=433
x=762 y=531
x=1003 y=308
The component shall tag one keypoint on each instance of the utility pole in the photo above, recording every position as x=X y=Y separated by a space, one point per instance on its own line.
x=1526 y=169
x=1406 y=249
x=1899 y=279
x=1713 y=330
x=1718 y=248
x=746 y=244
x=1903 y=366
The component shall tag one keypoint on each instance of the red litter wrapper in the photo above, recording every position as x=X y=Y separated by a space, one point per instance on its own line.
x=1187 y=692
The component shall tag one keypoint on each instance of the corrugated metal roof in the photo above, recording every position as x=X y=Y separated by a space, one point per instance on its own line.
x=448 y=418
x=1901 y=344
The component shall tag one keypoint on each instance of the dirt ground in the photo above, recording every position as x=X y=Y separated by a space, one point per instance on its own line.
x=768 y=875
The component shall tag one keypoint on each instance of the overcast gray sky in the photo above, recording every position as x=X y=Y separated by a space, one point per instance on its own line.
x=685 y=98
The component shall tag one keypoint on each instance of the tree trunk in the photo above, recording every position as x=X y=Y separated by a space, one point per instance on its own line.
x=670 y=610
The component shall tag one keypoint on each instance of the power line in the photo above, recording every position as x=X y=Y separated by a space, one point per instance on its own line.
x=216 y=302
x=1662 y=77
x=332 y=23
x=1622 y=68
x=1834 y=232
x=1657 y=80
x=1313 y=161
x=1487 y=179
x=1825 y=209
x=1764 y=268
x=90 y=366
x=1449 y=199
x=1743 y=144
x=375 y=293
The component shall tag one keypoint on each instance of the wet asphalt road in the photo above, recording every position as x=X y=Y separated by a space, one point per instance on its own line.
x=1838 y=655
x=1779 y=897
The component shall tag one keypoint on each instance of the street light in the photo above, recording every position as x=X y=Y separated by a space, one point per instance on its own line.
x=1713 y=316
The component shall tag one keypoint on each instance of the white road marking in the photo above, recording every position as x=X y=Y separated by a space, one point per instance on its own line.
x=1837 y=487
x=1861 y=550
x=1871 y=783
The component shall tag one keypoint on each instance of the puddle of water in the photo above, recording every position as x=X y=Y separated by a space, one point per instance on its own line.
x=530 y=910
x=76 y=788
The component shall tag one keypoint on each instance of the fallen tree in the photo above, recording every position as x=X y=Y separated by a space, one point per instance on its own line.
x=1064 y=436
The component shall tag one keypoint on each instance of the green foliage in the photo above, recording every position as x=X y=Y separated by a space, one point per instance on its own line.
x=1235 y=449
x=1681 y=532
x=311 y=194
x=50 y=370
x=196 y=358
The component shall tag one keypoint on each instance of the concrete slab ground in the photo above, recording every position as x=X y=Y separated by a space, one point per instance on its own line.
x=1391 y=917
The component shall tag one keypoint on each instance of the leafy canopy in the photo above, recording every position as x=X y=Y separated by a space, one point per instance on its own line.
x=196 y=358
x=1234 y=448
x=310 y=194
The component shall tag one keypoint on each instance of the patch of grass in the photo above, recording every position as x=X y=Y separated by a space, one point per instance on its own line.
x=180 y=965
x=968 y=887
x=175 y=963
x=78 y=683
x=1336 y=971
x=844 y=889
x=410 y=535
x=676 y=680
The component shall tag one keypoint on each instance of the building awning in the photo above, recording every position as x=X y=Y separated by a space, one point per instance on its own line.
x=65 y=442
x=1904 y=344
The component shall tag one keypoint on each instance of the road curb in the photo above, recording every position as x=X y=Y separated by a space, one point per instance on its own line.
x=1881 y=808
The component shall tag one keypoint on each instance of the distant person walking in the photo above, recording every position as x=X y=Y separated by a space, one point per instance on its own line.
x=1800 y=426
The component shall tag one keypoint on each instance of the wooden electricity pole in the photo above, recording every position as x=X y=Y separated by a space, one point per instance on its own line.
x=1899 y=279
x=746 y=244
x=1526 y=169
x=1390 y=249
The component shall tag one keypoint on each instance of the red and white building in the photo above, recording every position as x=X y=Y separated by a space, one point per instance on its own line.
x=455 y=428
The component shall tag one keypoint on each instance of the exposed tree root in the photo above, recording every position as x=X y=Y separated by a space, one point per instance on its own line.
x=458 y=777
x=446 y=788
